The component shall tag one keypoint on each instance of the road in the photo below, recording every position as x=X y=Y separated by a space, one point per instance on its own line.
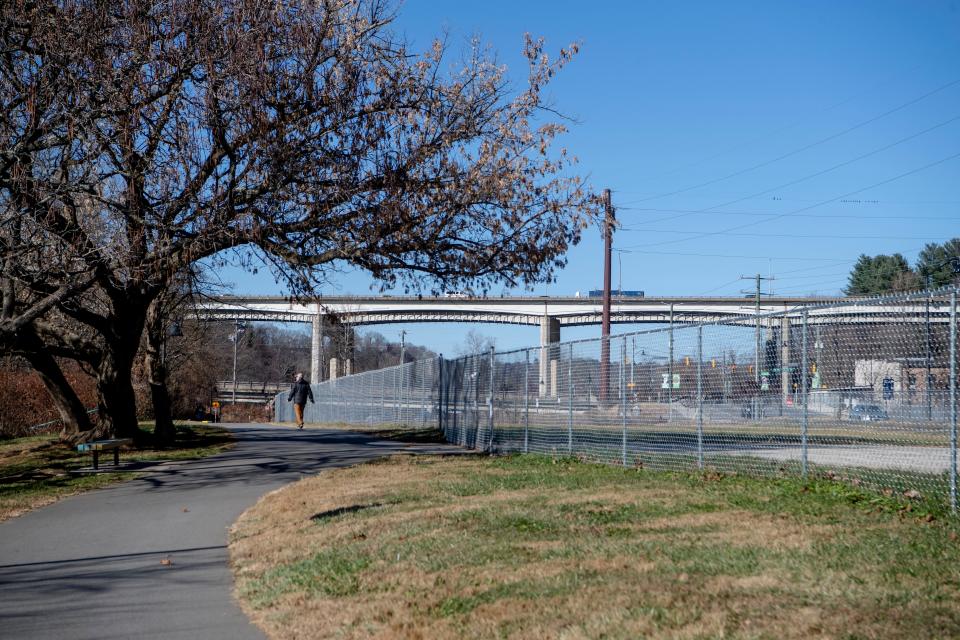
x=148 y=558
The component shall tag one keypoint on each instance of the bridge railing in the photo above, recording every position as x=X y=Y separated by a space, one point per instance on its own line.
x=865 y=390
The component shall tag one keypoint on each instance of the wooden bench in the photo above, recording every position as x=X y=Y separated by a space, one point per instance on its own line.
x=96 y=446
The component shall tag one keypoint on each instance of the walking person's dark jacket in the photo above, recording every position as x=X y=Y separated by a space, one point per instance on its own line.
x=300 y=392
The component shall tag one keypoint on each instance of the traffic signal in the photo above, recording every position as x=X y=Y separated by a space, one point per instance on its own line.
x=713 y=363
x=686 y=361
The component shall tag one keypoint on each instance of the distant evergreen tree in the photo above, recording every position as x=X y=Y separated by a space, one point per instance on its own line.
x=880 y=274
x=936 y=261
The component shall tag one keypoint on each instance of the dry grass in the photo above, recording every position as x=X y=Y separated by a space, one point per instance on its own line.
x=528 y=547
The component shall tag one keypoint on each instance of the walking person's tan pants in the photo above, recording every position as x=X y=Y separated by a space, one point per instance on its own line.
x=298 y=412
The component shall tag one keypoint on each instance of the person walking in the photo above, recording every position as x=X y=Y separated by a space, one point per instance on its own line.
x=299 y=393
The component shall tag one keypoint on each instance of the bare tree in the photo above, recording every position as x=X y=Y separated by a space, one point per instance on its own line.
x=475 y=343
x=307 y=134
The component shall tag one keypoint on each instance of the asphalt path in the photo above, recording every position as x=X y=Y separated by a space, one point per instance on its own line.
x=148 y=558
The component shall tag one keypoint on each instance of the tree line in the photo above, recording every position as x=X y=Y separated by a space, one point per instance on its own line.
x=937 y=265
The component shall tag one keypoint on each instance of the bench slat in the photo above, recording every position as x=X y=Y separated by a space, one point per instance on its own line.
x=104 y=445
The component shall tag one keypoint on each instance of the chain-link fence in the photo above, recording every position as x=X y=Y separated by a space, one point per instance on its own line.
x=865 y=390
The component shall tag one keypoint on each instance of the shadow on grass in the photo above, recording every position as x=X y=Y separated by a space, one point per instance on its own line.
x=339 y=511
x=418 y=436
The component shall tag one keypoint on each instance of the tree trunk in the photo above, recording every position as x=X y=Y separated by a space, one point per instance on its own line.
x=73 y=414
x=116 y=398
x=163 y=431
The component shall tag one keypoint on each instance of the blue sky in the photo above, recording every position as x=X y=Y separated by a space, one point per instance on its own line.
x=737 y=137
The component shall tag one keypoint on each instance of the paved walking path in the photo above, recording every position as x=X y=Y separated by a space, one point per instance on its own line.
x=931 y=460
x=92 y=566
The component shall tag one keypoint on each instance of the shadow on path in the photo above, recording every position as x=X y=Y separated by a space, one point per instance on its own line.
x=148 y=558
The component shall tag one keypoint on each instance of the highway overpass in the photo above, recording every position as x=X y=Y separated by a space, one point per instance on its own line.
x=553 y=313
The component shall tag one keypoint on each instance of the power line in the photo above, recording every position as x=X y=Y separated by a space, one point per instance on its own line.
x=732 y=256
x=768 y=135
x=852 y=201
x=836 y=281
x=813 y=206
x=807 y=147
x=725 y=284
x=811 y=276
x=770 y=213
x=816 y=173
x=815 y=275
x=787 y=235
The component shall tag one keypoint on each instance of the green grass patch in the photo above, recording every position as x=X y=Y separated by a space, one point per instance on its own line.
x=331 y=572
x=537 y=546
x=38 y=470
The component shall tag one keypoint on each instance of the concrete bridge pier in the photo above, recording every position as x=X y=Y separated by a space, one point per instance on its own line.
x=316 y=349
x=549 y=337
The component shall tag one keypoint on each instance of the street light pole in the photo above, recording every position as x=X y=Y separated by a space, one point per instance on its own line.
x=237 y=325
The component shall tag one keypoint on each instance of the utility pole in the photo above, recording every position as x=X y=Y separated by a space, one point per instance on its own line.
x=238 y=328
x=608 y=222
x=403 y=335
x=756 y=355
x=757 y=293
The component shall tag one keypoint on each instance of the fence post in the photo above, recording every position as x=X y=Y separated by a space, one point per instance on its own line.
x=570 y=399
x=440 y=394
x=623 y=399
x=926 y=384
x=700 y=396
x=526 y=404
x=493 y=364
x=805 y=424
x=670 y=372
x=953 y=401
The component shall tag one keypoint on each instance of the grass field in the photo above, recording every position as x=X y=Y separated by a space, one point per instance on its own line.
x=533 y=546
x=36 y=470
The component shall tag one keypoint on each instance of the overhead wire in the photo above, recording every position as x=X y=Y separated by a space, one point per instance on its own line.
x=900 y=176
x=726 y=284
x=812 y=175
x=809 y=146
x=733 y=256
x=788 y=235
x=836 y=281
x=627 y=204
x=802 y=215
x=767 y=135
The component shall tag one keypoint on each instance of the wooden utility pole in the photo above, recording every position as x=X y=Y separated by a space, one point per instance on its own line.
x=608 y=223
